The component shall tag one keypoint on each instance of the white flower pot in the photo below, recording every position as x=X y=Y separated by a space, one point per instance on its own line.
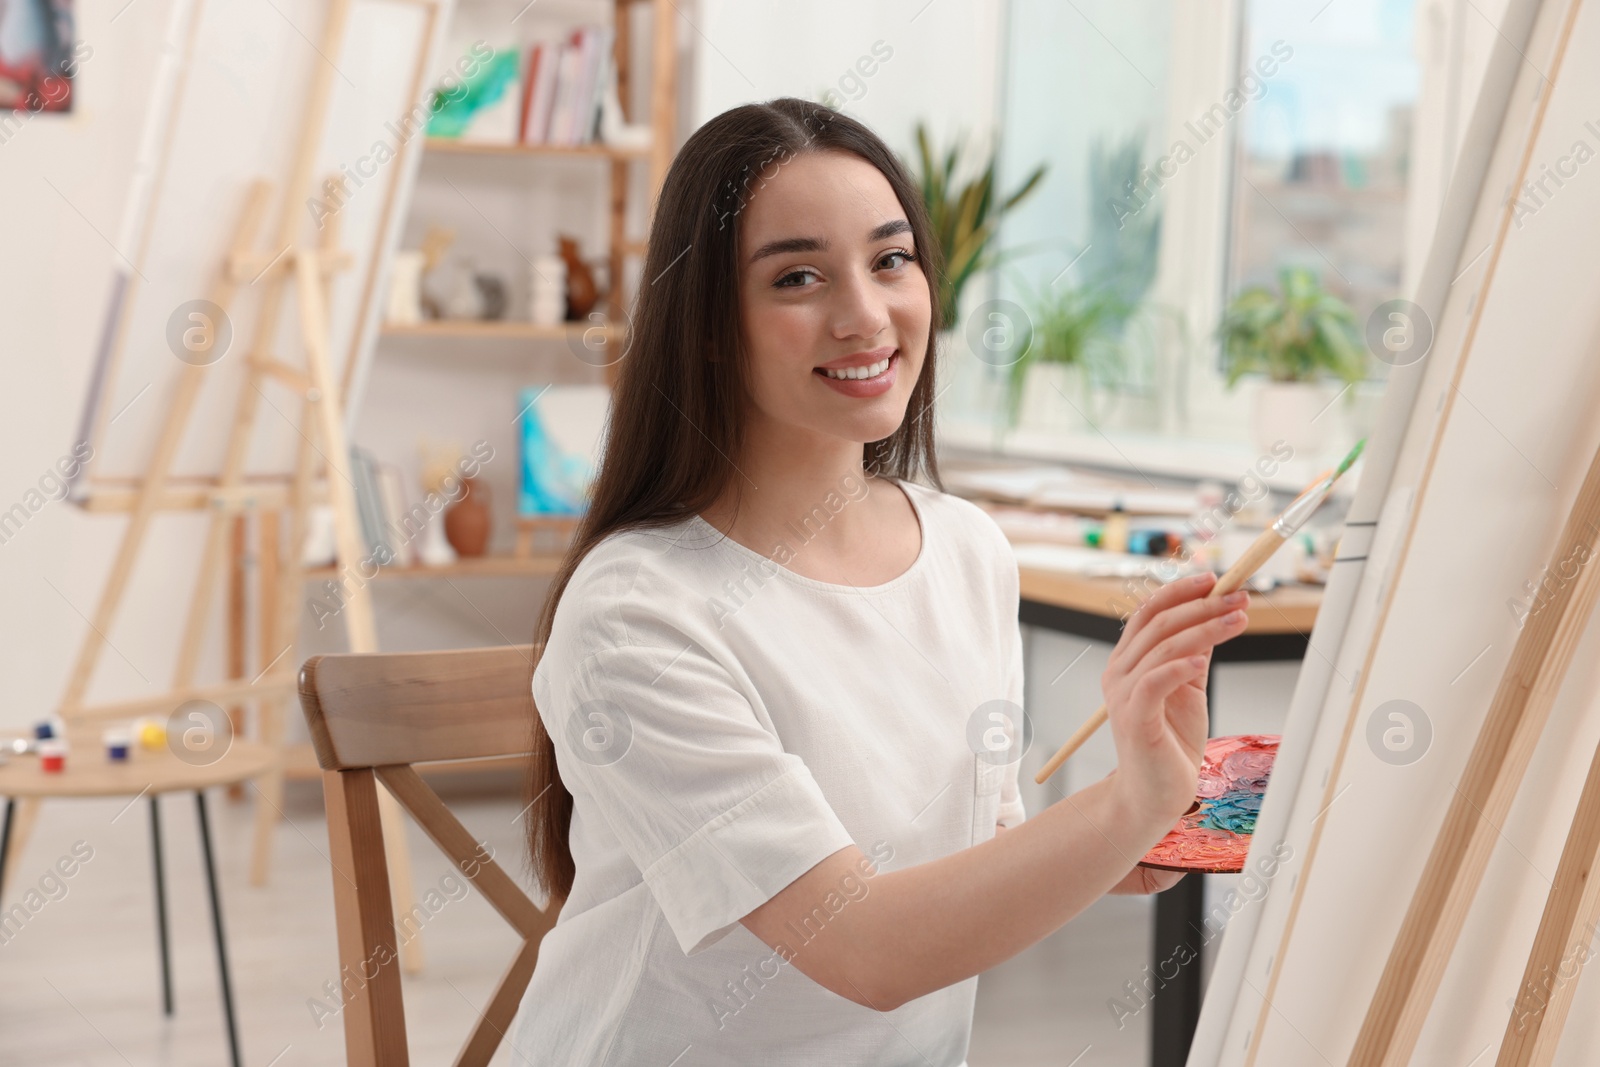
x=1056 y=397
x=966 y=388
x=1295 y=413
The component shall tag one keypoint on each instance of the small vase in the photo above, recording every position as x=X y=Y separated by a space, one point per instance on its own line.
x=436 y=550
x=448 y=290
x=582 y=292
x=547 y=293
x=405 y=289
x=466 y=523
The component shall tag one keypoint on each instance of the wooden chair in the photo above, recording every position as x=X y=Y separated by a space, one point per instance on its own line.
x=372 y=716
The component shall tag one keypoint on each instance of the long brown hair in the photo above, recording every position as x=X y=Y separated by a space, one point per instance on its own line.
x=678 y=405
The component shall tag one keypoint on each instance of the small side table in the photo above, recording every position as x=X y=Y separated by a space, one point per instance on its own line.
x=90 y=774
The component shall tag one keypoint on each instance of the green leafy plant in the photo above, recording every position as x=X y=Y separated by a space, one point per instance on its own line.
x=1294 y=335
x=965 y=218
x=1075 y=327
x=1124 y=240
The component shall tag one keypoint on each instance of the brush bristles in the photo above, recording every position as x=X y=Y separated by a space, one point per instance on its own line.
x=1351 y=458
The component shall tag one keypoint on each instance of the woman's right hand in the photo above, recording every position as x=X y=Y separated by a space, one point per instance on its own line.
x=1155 y=693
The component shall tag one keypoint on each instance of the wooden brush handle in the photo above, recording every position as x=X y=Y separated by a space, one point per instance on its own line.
x=1074 y=743
x=1235 y=576
x=1246 y=565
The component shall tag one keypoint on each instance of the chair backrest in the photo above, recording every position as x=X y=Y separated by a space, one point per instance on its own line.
x=373 y=715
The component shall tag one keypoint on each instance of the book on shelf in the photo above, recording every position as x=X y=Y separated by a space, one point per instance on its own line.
x=564 y=83
x=391 y=489
x=596 y=47
x=555 y=129
x=538 y=85
x=381 y=509
x=368 y=509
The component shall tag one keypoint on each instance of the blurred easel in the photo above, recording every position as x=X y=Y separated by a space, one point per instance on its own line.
x=279 y=503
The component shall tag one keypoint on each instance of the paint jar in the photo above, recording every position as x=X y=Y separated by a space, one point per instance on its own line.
x=118 y=741
x=44 y=730
x=1114 y=535
x=152 y=736
x=52 y=756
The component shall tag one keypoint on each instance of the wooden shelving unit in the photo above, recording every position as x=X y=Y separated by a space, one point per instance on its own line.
x=657 y=156
x=450 y=146
x=500 y=329
x=493 y=566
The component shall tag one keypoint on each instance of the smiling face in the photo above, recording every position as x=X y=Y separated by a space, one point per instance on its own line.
x=829 y=278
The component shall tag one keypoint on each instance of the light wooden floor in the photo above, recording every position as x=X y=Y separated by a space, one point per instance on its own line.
x=79 y=983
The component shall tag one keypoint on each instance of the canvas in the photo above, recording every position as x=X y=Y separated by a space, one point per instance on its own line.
x=1481 y=448
x=227 y=110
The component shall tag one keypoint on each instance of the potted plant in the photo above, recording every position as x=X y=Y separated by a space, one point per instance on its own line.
x=1295 y=337
x=964 y=218
x=1080 y=346
x=1075 y=345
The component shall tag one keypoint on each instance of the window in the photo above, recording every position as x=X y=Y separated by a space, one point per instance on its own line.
x=1084 y=91
x=1323 y=158
x=1307 y=166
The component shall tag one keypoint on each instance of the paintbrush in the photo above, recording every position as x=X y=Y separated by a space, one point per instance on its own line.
x=1272 y=538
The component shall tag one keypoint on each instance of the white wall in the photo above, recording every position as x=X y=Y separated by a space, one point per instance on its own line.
x=63 y=182
x=942 y=68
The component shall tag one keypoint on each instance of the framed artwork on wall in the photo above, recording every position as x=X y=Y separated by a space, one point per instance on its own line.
x=38 y=57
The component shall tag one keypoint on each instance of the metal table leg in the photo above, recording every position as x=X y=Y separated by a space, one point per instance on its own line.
x=1180 y=912
x=216 y=924
x=162 y=932
x=5 y=839
x=1180 y=920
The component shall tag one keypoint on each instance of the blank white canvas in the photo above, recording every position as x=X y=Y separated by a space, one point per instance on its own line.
x=227 y=111
x=1482 y=449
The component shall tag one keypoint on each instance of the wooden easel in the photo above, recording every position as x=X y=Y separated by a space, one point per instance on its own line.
x=1395 y=1017
x=286 y=260
x=1461 y=852
x=1543 y=998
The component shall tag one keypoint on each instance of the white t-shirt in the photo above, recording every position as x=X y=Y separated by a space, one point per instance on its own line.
x=724 y=724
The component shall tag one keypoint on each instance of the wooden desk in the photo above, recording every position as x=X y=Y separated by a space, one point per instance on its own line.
x=89 y=774
x=1290 y=609
x=1279 y=630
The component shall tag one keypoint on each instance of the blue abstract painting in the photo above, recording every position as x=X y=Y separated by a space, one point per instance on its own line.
x=560 y=428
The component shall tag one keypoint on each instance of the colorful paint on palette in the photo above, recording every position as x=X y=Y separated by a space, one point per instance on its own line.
x=1214 y=836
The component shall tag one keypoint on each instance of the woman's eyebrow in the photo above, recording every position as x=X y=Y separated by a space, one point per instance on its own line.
x=889 y=229
x=790 y=244
x=787 y=245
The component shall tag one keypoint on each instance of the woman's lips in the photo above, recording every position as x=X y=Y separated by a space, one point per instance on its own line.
x=864 y=387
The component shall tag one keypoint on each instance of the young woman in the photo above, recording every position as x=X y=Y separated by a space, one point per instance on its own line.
x=763 y=784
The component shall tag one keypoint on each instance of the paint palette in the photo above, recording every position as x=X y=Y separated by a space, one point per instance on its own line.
x=1213 y=836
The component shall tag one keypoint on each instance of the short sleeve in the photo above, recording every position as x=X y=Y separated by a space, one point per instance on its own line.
x=667 y=750
x=1012 y=813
